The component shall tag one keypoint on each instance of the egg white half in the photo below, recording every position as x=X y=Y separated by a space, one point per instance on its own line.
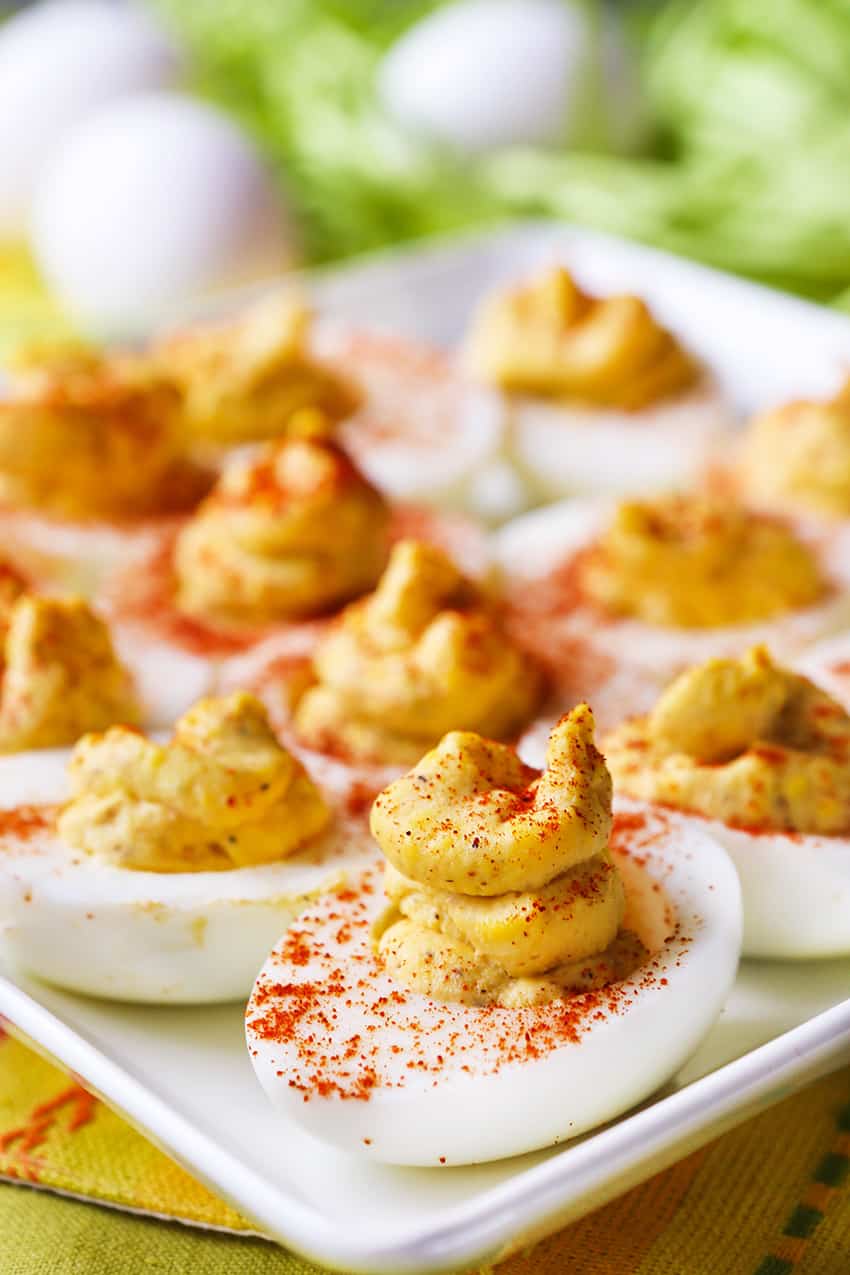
x=577 y=449
x=168 y=679
x=162 y=938
x=361 y=1062
x=459 y=535
x=424 y=432
x=171 y=665
x=621 y=665
x=795 y=890
x=74 y=555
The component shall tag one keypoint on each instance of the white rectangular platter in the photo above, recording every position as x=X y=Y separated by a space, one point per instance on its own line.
x=183 y=1075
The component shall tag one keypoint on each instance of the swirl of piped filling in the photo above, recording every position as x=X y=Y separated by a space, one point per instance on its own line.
x=743 y=741
x=222 y=793
x=501 y=886
x=60 y=675
x=696 y=563
x=798 y=456
x=288 y=535
x=250 y=379
x=550 y=338
x=85 y=435
x=422 y=655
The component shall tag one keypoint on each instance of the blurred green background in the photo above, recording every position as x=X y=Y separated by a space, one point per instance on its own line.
x=746 y=163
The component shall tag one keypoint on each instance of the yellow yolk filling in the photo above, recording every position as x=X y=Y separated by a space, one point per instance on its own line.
x=799 y=456
x=221 y=794
x=691 y=563
x=13 y=585
x=250 y=380
x=500 y=883
x=743 y=741
x=60 y=677
x=85 y=436
x=419 y=657
x=552 y=339
x=286 y=536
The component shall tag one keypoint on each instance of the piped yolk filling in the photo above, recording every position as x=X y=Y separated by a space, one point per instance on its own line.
x=286 y=536
x=692 y=563
x=550 y=338
x=421 y=655
x=252 y=379
x=89 y=436
x=221 y=794
x=500 y=883
x=60 y=675
x=742 y=741
x=798 y=456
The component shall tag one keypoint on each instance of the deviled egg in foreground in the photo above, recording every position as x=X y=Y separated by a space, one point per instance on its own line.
x=528 y=957
x=759 y=757
x=163 y=873
x=603 y=399
x=615 y=601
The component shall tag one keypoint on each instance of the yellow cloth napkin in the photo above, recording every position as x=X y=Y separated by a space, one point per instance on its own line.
x=770 y=1198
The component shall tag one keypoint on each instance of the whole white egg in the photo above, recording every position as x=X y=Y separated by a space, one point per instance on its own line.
x=59 y=61
x=481 y=74
x=362 y=1062
x=151 y=203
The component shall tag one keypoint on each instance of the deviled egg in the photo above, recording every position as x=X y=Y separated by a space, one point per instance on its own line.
x=248 y=379
x=759 y=758
x=422 y=654
x=615 y=601
x=163 y=873
x=92 y=463
x=250 y=581
x=796 y=458
x=59 y=675
x=284 y=538
x=602 y=398
x=416 y=426
x=530 y=957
